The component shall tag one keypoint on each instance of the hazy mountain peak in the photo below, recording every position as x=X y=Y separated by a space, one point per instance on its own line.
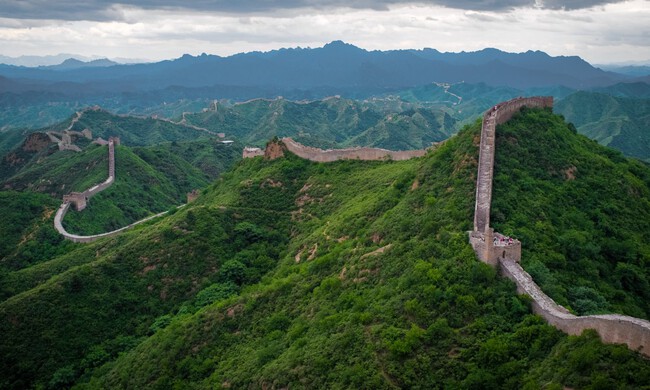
x=338 y=44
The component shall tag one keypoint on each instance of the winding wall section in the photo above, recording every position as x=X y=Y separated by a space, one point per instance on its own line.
x=80 y=199
x=612 y=328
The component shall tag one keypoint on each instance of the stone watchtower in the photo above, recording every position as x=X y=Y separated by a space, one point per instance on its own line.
x=192 y=195
x=79 y=200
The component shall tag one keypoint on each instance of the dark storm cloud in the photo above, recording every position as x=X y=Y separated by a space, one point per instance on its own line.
x=102 y=10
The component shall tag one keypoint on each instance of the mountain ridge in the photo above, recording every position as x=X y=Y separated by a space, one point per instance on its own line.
x=277 y=66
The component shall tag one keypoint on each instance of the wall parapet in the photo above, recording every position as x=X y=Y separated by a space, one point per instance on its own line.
x=496 y=115
x=63 y=209
x=358 y=153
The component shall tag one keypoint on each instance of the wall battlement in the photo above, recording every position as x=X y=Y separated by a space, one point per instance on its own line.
x=491 y=249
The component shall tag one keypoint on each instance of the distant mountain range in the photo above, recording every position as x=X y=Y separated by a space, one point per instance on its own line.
x=619 y=122
x=43 y=95
x=337 y=65
x=57 y=59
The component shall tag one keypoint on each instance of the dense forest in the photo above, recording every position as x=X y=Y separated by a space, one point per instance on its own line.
x=289 y=273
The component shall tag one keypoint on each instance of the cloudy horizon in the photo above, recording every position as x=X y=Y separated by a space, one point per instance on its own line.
x=599 y=31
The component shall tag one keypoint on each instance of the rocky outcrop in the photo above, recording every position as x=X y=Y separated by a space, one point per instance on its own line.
x=274 y=149
x=36 y=142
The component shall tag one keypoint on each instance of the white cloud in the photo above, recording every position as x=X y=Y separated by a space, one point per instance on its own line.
x=613 y=32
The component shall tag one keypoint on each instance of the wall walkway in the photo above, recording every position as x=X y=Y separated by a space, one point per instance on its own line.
x=612 y=328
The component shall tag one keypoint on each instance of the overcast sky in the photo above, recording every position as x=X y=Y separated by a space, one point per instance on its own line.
x=599 y=31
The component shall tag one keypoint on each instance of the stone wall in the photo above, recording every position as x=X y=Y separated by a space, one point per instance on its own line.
x=273 y=151
x=613 y=328
x=329 y=155
x=84 y=196
x=80 y=199
x=496 y=115
x=60 y=214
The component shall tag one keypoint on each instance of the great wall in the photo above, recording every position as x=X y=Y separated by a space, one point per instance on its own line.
x=490 y=247
x=80 y=199
x=612 y=328
x=65 y=142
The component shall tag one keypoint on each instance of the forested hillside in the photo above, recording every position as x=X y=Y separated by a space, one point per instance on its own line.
x=332 y=122
x=288 y=273
x=619 y=122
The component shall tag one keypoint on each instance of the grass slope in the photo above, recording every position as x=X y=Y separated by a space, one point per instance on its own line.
x=62 y=172
x=27 y=230
x=619 y=122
